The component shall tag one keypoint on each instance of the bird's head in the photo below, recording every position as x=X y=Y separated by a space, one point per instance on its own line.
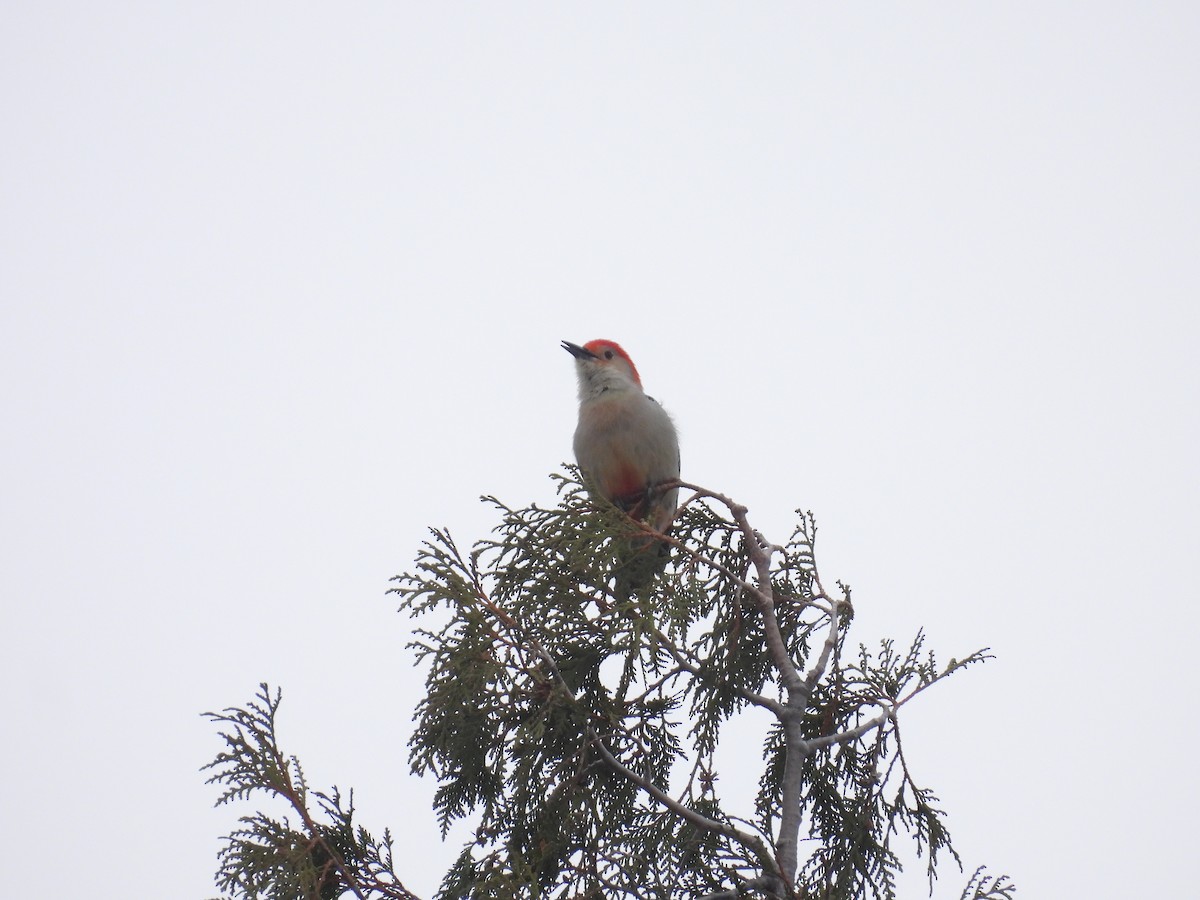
x=602 y=365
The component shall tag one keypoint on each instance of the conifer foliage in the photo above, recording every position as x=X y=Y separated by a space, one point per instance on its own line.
x=582 y=729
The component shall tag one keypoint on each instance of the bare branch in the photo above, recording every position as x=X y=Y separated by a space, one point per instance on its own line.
x=749 y=841
x=762 y=592
x=831 y=641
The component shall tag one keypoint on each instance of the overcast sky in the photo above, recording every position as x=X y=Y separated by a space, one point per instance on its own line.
x=282 y=285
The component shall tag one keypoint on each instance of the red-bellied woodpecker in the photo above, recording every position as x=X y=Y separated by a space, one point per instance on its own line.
x=625 y=442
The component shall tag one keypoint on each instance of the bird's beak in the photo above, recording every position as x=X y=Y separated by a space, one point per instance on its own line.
x=578 y=352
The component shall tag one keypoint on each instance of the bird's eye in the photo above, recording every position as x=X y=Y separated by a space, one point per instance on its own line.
x=608 y=354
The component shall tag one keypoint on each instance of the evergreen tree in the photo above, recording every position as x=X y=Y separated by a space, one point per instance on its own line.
x=579 y=725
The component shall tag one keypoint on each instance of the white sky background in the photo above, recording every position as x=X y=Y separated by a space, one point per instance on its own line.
x=281 y=286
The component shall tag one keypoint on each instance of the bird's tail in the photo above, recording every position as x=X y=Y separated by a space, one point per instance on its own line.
x=644 y=557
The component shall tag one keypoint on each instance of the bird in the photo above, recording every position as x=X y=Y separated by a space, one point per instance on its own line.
x=625 y=443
